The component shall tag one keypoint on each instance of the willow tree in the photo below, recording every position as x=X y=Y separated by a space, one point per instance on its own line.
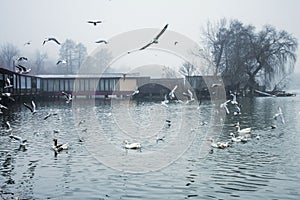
x=273 y=53
x=240 y=54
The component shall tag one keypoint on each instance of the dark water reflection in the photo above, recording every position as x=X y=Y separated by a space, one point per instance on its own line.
x=265 y=168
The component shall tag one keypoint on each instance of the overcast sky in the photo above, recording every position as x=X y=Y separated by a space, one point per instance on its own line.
x=21 y=21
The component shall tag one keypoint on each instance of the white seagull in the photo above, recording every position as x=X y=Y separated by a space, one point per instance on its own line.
x=32 y=108
x=279 y=114
x=51 y=39
x=224 y=105
x=59 y=147
x=68 y=97
x=165 y=101
x=134 y=145
x=61 y=62
x=7 y=83
x=2 y=106
x=190 y=96
x=22 y=69
x=155 y=39
x=171 y=94
x=22 y=142
x=8 y=127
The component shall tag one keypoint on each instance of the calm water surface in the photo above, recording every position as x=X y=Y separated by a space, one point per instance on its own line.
x=96 y=166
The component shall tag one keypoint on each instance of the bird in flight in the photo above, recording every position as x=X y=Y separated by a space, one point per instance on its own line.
x=94 y=22
x=32 y=107
x=51 y=39
x=61 y=62
x=22 y=58
x=101 y=41
x=7 y=83
x=155 y=39
x=27 y=43
x=22 y=69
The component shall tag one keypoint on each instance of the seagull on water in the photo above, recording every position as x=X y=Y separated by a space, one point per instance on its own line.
x=171 y=94
x=134 y=145
x=279 y=114
x=59 y=147
x=243 y=131
x=7 y=83
x=51 y=39
x=101 y=41
x=32 y=108
x=94 y=22
x=219 y=145
x=155 y=39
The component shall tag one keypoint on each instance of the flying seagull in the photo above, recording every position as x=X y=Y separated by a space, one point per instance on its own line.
x=51 y=39
x=47 y=116
x=7 y=83
x=27 y=43
x=279 y=114
x=22 y=69
x=94 y=22
x=155 y=40
x=32 y=108
x=101 y=41
x=61 y=61
x=68 y=97
x=171 y=94
x=8 y=127
x=190 y=96
x=22 y=58
x=2 y=106
x=224 y=105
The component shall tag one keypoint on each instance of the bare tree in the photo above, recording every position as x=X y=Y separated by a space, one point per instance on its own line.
x=80 y=54
x=168 y=72
x=39 y=61
x=187 y=69
x=8 y=52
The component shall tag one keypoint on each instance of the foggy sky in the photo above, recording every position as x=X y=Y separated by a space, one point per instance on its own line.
x=21 y=21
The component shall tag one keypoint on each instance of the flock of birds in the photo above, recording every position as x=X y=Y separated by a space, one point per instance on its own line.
x=241 y=135
x=24 y=70
x=32 y=108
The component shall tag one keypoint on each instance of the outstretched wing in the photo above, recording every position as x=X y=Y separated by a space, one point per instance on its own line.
x=147 y=45
x=27 y=106
x=161 y=32
x=55 y=40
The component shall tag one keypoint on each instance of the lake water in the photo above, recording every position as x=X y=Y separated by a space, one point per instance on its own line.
x=183 y=166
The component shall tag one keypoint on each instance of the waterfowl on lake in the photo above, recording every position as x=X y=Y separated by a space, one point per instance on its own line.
x=242 y=131
x=59 y=147
x=134 y=145
x=220 y=145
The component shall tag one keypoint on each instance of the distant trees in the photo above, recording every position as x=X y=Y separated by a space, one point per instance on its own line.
x=97 y=63
x=246 y=57
x=74 y=54
x=39 y=61
x=187 y=69
x=8 y=52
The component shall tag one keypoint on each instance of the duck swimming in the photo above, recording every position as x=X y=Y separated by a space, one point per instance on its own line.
x=59 y=147
x=134 y=145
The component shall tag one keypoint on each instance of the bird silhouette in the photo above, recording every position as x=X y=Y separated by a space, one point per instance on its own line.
x=94 y=22
x=51 y=39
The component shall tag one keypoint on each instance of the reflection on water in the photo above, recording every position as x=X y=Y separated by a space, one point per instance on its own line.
x=96 y=166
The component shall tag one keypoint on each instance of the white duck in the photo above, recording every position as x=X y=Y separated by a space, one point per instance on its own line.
x=59 y=147
x=238 y=138
x=220 y=145
x=243 y=131
x=134 y=145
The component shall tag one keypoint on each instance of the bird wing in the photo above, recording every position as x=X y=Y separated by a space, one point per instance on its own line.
x=7 y=124
x=33 y=105
x=8 y=81
x=27 y=106
x=174 y=89
x=190 y=94
x=21 y=67
x=161 y=32
x=147 y=45
x=55 y=40
x=58 y=62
